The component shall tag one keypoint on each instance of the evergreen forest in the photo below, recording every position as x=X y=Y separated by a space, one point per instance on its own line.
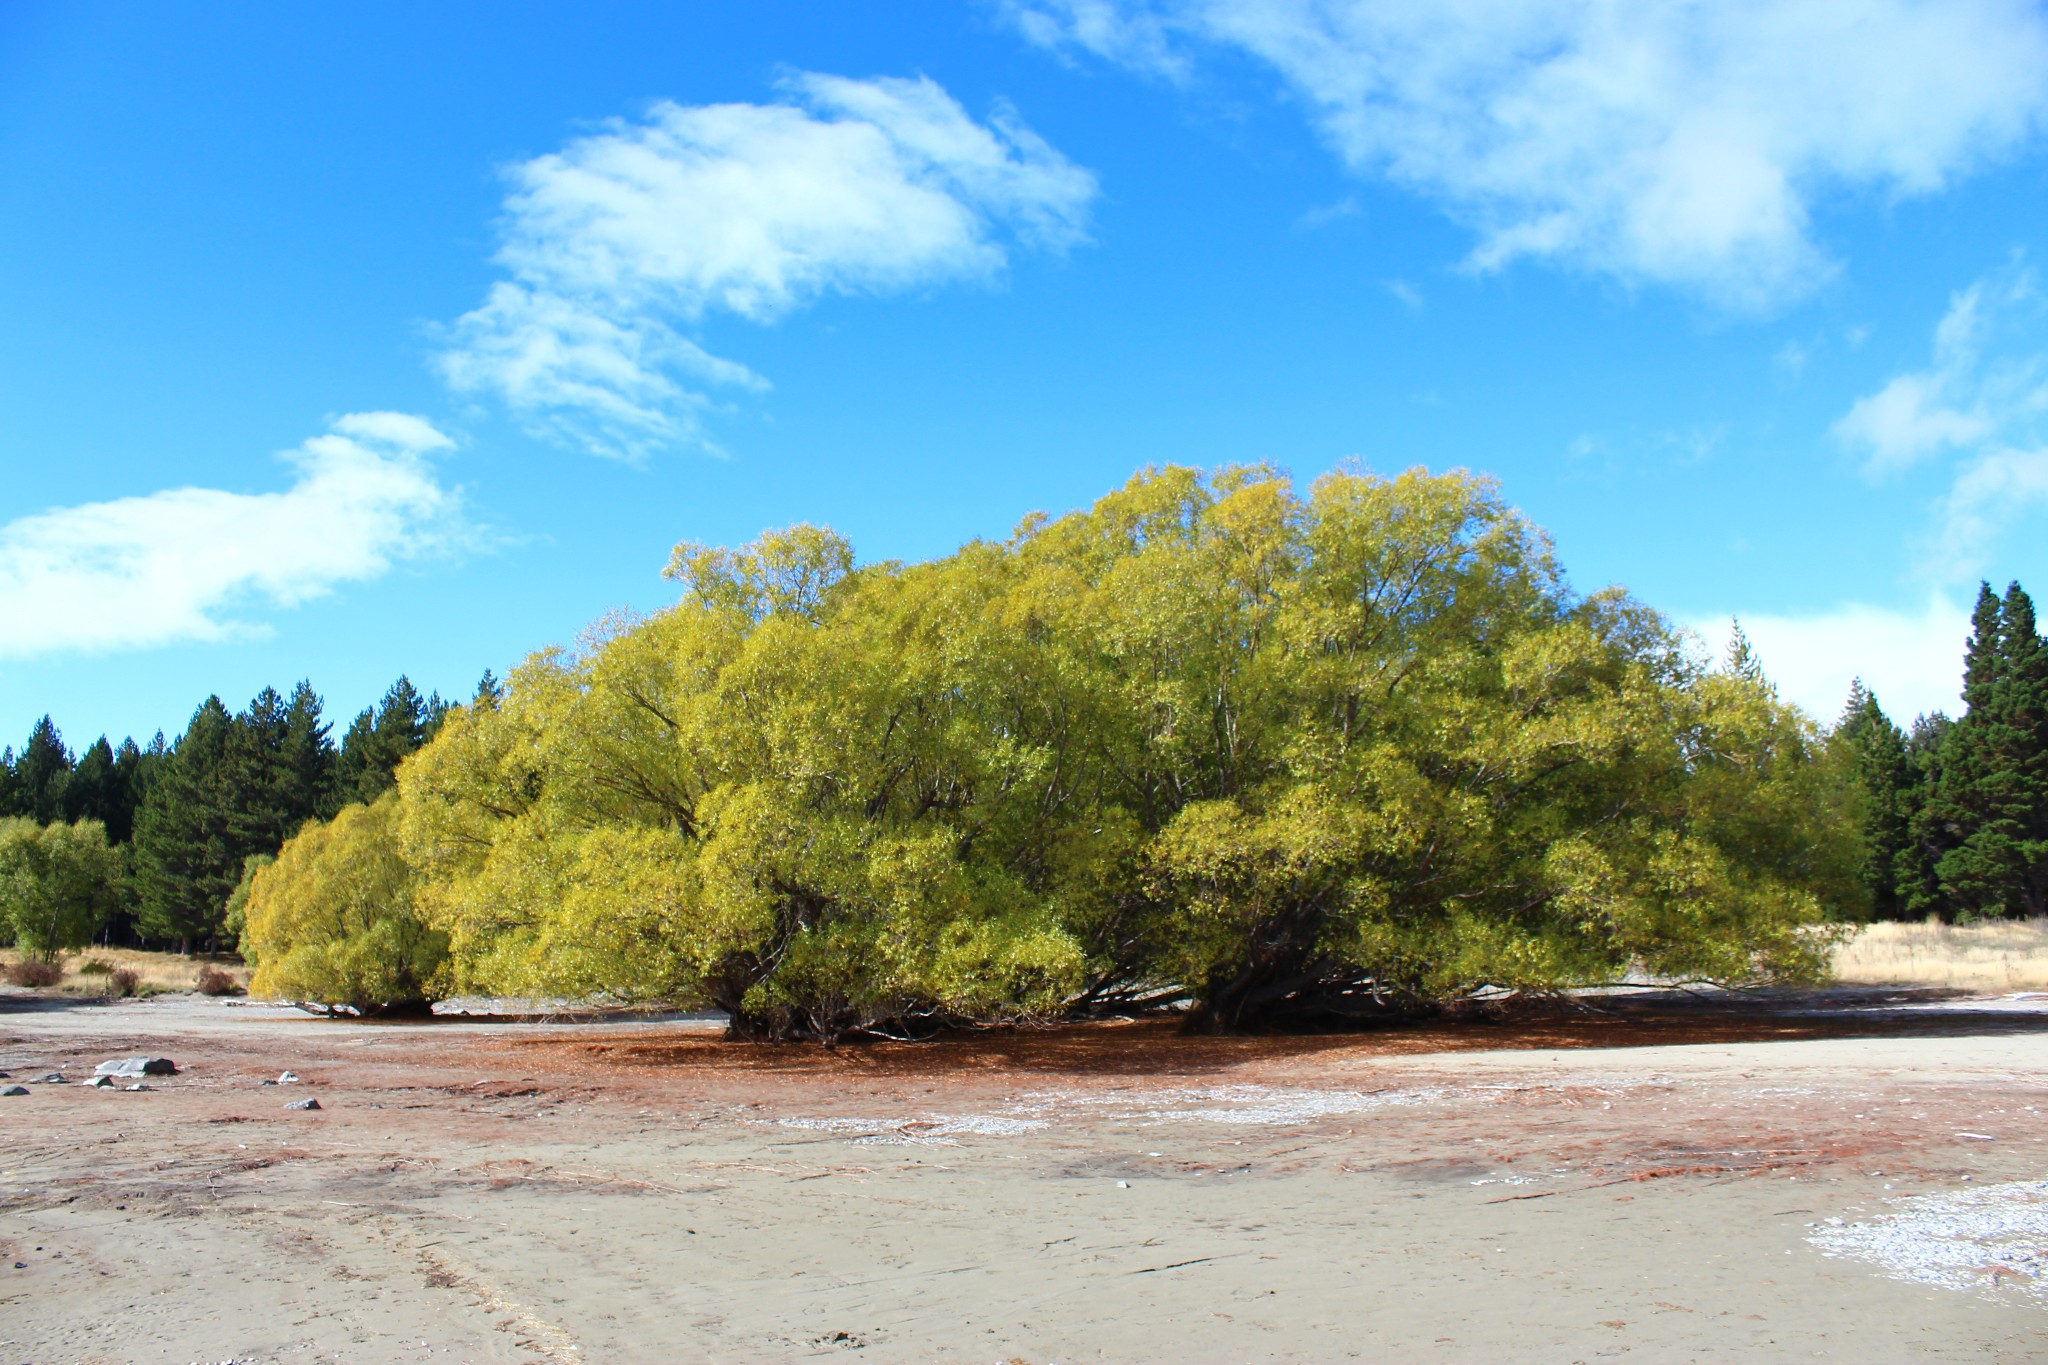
x=1284 y=757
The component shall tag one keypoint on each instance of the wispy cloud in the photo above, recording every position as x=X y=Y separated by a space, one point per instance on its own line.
x=623 y=239
x=1664 y=142
x=1912 y=660
x=1982 y=400
x=183 y=564
x=1981 y=385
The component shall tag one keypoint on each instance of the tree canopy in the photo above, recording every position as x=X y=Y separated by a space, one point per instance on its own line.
x=1291 y=756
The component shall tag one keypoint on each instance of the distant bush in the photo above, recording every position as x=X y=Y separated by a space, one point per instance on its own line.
x=31 y=972
x=57 y=884
x=94 y=966
x=214 y=981
x=123 y=981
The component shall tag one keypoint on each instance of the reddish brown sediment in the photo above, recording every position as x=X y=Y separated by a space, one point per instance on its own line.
x=645 y=1191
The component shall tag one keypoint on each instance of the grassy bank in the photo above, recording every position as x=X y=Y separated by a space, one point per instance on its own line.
x=1995 y=955
x=93 y=971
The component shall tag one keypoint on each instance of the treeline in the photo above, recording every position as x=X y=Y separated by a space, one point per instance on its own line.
x=1289 y=758
x=1956 y=823
x=145 y=845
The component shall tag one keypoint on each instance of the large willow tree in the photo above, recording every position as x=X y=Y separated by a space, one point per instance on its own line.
x=1292 y=758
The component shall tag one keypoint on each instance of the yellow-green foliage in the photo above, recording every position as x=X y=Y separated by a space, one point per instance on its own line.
x=1289 y=754
x=332 y=922
x=58 y=882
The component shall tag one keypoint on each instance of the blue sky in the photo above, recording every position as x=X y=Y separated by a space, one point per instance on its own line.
x=409 y=339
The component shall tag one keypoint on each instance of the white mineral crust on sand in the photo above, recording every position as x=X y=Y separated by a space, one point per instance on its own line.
x=1967 y=1240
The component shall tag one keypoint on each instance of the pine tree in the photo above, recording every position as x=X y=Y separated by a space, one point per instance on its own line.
x=1883 y=769
x=309 y=755
x=130 y=765
x=1917 y=887
x=42 y=770
x=489 y=692
x=187 y=859
x=93 y=792
x=260 y=784
x=378 y=741
x=10 y=787
x=1985 y=822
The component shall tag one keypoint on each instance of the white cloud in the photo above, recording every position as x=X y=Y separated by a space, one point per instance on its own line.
x=1984 y=398
x=1657 y=141
x=621 y=238
x=1912 y=660
x=179 y=565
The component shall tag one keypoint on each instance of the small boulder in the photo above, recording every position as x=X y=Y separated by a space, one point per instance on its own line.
x=15 y=1090
x=51 y=1078
x=266 y=1081
x=99 y=1083
x=303 y=1104
x=287 y=1078
x=137 y=1066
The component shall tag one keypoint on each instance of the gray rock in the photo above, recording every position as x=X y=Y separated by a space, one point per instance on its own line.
x=303 y=1104
x=99 y=1083
x=53 y=1078
x=137 y=1066
x=266 y=1081
x=15 y=1090
x=287 y=1078
x=139 y=1086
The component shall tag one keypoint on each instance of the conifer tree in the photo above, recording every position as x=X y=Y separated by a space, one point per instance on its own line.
x=93 y=791
x=378 y=740
x=187 y=857
x=1984 y=824
x=10 y=786
x=309 y=755
x=1877 y=750
x=1917 y=887
x=42 y=770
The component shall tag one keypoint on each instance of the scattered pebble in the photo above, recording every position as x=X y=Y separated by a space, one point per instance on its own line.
x=140 y=1086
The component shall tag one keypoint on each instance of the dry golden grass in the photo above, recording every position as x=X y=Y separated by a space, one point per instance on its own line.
x=154 y=971
x=1993 y=955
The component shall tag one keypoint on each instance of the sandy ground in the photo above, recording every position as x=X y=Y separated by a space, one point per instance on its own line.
x=1844 y=1178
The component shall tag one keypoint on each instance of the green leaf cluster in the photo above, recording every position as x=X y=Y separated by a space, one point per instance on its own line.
x=58 y=883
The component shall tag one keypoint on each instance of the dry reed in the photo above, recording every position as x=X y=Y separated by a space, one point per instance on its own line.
x=1991 y=955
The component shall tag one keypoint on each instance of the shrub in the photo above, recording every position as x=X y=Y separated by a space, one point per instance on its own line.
x=94 y=966
x=123 y=981
x=1299 y=759
x=30 y=972
x=332 y=921
x=214 y=981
